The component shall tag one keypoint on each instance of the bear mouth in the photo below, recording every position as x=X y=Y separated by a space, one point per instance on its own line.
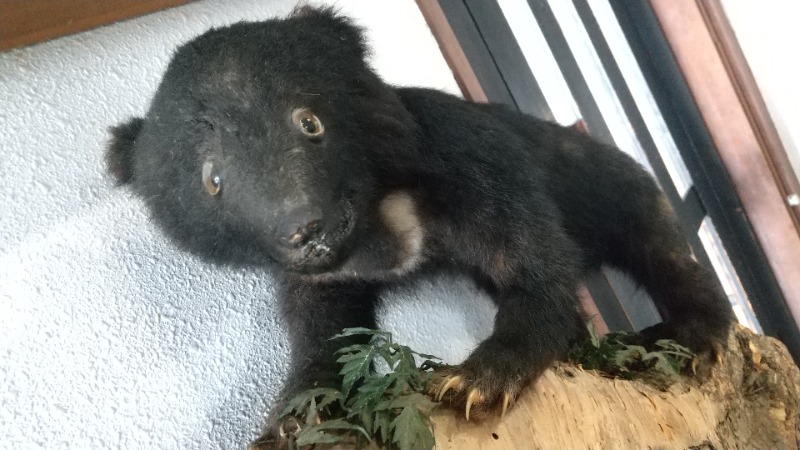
x=327 y=251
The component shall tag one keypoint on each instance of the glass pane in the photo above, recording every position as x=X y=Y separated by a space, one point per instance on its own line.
x=596 y=78
x=540 y=60
x=641 y=95
x=727 y=275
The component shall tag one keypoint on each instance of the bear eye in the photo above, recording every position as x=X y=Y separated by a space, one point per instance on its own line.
x=211 y=179
x=308 y=122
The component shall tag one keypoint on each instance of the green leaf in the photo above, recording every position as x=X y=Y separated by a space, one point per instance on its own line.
x=405 y=361
x=331 y=395
x=310 y=435
x=670 y=344
x=402 y=385
x=367 y=420
x=595 y=337
x=356 y=366
x=677 y=354
x=427 y=356
x=347 y=332
x=411 y=430
x=662 y=363
x=298 y=402
x=311 y=414
x=415 y=399
x=315 y=434
x=352 y=349
x=369 y=393
x=629 y=355
x=342 y=424
x=419 y=381
x=430 y=364
x=387 y=354
x=383 y=425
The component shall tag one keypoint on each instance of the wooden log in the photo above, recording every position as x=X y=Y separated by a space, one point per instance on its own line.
x=747 y=400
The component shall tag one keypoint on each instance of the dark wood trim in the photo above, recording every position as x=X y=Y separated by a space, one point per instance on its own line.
x=452 y=51
x=26 y=22
x=737 y=142
x=752 y=101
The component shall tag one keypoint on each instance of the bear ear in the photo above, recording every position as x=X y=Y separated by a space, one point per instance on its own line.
x=326 y=19
x=119 y=156
x=305 y=10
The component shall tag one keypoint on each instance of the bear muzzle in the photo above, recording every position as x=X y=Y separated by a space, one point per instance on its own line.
x=299 y=226
x=311 y=241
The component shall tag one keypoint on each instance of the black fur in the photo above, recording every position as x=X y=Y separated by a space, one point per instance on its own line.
x=401 y=182
x=120 y=152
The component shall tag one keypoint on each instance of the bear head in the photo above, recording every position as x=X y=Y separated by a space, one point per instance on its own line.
x=264 y=141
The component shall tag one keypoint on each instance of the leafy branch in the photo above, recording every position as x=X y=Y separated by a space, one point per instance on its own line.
x=391 y=407
x=620 y=355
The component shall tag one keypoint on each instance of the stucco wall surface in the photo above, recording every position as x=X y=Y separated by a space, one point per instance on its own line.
x=109 y=336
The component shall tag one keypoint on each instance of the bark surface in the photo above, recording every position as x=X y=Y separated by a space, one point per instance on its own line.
x=749 y=399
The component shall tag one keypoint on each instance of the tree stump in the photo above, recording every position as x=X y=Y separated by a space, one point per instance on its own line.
x=749 y=399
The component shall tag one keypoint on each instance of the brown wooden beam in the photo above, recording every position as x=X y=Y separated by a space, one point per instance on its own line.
x=752 y=101
x=25 y=22
x=452 y=51
x=739 y=142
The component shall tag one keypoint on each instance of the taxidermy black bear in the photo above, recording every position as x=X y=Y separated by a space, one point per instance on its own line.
x=274 y=144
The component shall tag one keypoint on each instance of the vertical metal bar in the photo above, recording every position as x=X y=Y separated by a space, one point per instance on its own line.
x=474 y=47
x=508 y=57
x=572 y=73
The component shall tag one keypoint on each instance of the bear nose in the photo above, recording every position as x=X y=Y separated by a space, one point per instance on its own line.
x=300 y=225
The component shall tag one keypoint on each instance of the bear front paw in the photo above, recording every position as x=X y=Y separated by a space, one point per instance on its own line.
x=475 y=394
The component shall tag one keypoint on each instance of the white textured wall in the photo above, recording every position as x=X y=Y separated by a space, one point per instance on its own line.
x=768 y=32
x=109 y=336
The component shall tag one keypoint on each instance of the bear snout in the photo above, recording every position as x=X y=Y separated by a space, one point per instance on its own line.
x=299 y=226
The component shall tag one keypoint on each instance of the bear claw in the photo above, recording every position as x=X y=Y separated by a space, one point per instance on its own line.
x=506 y=402
x=454 y=382
x=473 y=397
x=719 y=352
x=476 y=400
